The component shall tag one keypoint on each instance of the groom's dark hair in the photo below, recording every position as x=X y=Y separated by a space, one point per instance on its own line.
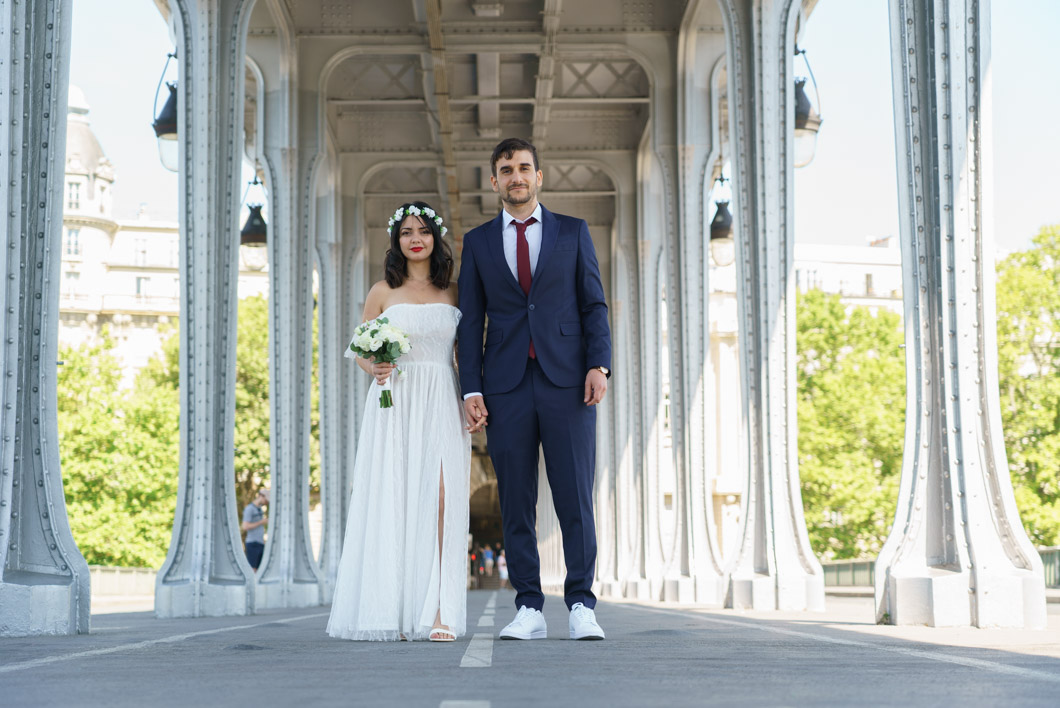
x=395 y=267
x=508 y=147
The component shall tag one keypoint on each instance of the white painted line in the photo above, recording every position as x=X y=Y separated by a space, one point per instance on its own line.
x=893 y=649
x=479 y=654
x=492 y=602
x=464 y=704
x=489 y=611
x=142 y=645
x=485 y=621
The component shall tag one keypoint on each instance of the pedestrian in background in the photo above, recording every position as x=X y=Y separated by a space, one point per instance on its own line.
x=254 y=521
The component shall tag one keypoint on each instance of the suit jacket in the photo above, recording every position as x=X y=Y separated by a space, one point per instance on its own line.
x=565 y=313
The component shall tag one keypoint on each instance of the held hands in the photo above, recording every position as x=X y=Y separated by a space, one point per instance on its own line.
x=476 y=414
x=382 y=371
x=595 y=387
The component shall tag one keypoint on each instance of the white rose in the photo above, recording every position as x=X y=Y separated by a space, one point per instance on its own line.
x=414 y=211
x=429 y=212
x=374 y=344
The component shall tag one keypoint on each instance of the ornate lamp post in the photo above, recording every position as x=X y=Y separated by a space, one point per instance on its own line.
x=253 y=237
x=165 y=124
x=807 y=119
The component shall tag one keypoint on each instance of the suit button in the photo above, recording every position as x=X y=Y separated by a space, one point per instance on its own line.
x=531 y=308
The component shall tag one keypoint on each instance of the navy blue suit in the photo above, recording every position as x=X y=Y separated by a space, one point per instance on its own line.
x=538 y=402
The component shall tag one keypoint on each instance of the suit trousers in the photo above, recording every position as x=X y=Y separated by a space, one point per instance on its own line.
x=537 y=414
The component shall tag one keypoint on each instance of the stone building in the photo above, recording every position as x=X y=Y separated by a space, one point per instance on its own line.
x=117 y=273
x=349 y=108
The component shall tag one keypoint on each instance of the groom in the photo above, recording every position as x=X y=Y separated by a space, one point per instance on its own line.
x=535 y=380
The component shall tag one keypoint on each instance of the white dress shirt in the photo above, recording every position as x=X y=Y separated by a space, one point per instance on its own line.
x=511 y=242
x=533 y=240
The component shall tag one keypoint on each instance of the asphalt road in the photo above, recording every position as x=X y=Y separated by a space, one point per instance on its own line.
x=655 y=655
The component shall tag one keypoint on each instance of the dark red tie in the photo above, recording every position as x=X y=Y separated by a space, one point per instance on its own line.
x=522 y=260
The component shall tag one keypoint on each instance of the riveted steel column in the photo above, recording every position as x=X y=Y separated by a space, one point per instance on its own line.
x=289 y=575
x=957 y=553
x=774 y=567
x=206 y=572
x=44 y=586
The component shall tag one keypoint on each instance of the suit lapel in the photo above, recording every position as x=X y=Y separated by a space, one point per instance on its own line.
x=549 y=234
x=496 y=248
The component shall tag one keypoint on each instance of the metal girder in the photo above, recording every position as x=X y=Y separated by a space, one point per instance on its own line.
x=774 y=567
x=957 y=553
x=44 y=585
x=206 y=572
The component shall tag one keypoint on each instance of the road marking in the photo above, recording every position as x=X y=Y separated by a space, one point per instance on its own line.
x=464 y=704
x=994 y=666
x=142 y=645
x=479 y=654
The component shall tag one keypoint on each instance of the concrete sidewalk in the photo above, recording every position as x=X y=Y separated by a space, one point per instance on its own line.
x=654 y=655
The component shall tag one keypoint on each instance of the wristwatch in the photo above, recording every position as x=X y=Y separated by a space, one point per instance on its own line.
x=603 y=370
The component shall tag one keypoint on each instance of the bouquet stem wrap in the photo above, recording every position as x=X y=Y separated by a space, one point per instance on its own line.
x=380 y=342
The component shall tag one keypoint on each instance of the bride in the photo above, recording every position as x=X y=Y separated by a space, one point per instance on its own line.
x=403 y=569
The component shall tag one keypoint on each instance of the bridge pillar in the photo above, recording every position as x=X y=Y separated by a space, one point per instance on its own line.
x=44 y=585
x=957 y=554
x=206 y=572
x=774 y=566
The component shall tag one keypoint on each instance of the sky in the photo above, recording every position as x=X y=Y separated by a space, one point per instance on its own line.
x=847 y=195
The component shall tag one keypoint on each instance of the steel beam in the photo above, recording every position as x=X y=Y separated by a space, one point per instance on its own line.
x=44 y=585
x=774 y=566
x=205 y=572
x=957 y=553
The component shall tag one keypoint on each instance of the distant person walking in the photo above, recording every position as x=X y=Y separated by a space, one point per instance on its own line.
x=502 y=568
x=487 y=558
x=254 y=521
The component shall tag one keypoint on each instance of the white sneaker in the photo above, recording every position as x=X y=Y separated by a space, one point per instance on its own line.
x=583 y=623
x=528 y=624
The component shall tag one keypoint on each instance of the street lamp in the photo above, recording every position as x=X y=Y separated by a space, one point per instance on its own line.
x=253 y=237
x=165 y=124
x=807 y=119
x=722 y=244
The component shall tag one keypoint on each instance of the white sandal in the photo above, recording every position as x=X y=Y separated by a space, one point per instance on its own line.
x=446 y=635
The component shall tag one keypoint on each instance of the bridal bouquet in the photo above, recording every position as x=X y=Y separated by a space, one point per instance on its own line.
x=379 y=341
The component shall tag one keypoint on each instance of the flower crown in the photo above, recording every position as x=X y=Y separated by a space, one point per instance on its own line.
x=415 y=211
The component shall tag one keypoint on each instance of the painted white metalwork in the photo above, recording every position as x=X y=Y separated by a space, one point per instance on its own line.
x=957 y=554
x=206 y=572
x=44 y=581
x=774 y=567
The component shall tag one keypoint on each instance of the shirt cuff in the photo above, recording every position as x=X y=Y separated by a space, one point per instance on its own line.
x=469 y=395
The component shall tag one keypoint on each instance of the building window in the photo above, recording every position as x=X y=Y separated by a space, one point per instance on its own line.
x=72 y=279
x=72 y=247
x=141 y=251
x=141 y=286
x=73 y=195
x=869 y=289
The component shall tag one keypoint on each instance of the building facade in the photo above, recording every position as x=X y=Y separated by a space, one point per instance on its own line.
x=348 y=109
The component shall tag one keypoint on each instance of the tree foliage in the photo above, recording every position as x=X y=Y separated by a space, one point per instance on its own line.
x=120 y=447
x=119 y=451
x=851 y=412
x=1028 y=334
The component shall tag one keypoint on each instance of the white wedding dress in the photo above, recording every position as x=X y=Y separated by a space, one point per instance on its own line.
x=391 y=581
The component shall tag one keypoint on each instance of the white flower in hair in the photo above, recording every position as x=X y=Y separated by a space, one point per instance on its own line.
x=414 y=211
x=429 y=212
x=444 y=231
x=438 y=220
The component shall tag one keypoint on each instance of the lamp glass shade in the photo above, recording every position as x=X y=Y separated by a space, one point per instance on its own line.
x=722 y=244
x=807 y=125
x=165 y=127
x=723 y=251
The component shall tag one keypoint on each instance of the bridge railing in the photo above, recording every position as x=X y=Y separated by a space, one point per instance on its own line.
x=845 y=573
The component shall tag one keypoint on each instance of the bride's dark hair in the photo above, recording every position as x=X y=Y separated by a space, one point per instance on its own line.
x=396 y=266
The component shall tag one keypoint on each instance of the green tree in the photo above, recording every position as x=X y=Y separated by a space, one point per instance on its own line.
x=1028 y=329
x=851 y=412
x=119 y=454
